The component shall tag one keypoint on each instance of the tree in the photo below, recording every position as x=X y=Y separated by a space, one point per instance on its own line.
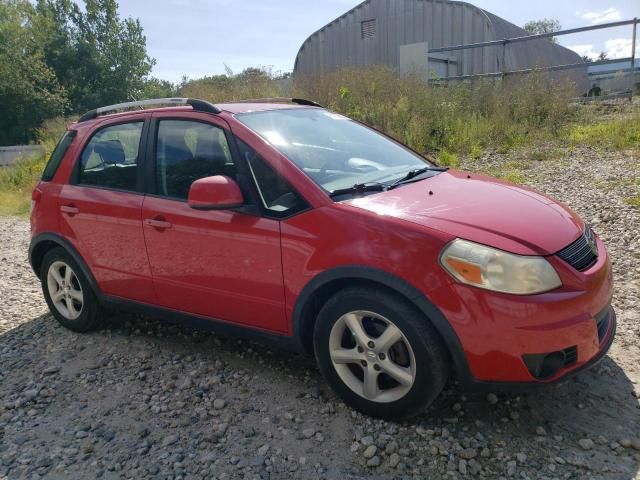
x=98 y=58
x=546 y=25
x=58 y=58
x=587 y=59
x=603 y=56
x=156 y=88
x=29 y=89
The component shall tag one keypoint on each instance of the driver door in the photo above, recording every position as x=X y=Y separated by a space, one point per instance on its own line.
x=221 y=264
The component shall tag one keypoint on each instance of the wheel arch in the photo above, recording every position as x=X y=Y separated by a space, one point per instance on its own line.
x=45 y=242
x=317 y=291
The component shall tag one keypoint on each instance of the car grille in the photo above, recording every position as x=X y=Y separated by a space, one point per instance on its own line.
x=602 y=322
x=582 y=253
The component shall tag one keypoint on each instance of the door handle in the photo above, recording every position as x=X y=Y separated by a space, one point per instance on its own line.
x=69 y=209
x=160 y=223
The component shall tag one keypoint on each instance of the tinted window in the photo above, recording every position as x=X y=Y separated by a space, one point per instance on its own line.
x=275 y=193
x=57 y=155
x=334 y=151
x=187 y=151
x=110 y=159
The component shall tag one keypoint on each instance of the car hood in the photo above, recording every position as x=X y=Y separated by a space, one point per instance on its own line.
x=481 y=209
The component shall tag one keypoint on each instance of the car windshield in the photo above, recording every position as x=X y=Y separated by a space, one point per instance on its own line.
x=333 y=150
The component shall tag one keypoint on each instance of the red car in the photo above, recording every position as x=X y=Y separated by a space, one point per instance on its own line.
x=281 y=218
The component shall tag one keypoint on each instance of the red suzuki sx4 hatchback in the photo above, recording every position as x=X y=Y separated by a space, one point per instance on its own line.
x=280 y=218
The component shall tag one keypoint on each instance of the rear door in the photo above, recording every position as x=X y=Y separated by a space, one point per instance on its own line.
x=223 y=264
x=101 y=208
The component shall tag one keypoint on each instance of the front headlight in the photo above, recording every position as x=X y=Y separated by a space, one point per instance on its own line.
x=496 y=270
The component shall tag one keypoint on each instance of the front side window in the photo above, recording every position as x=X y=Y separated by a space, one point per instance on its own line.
x=333 y=150
x=187 y=151
x=110 y=159
x=276 y=195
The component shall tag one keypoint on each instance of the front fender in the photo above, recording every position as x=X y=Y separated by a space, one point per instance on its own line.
x=302 y=324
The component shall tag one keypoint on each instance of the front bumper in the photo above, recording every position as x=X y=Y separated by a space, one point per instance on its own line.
x=506 y=337
x=572 y=369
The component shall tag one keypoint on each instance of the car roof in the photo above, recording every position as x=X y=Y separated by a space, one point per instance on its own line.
x=245 y=107
x=231 y=107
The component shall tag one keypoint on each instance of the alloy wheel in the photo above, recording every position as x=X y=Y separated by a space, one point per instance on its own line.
x=65 y=290
x=372 y=356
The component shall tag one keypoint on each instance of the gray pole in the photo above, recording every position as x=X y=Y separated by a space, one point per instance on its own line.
x=504 y=56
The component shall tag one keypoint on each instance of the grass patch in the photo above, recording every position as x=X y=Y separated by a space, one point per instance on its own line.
x=617 y=133
x=14 y=203
x=508 y=174
x=16 y=184
x=24 y=173
x=510 y=171
x=545 y=154
x=516 y=165
x=634 y=201
x=513 y=176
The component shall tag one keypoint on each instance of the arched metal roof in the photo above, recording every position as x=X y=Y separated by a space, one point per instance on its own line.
x=373 y=31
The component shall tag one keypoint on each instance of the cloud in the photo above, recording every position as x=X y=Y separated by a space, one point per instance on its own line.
x=608 y=15
x=618 y=47
x=615 y=48
x=583 y=50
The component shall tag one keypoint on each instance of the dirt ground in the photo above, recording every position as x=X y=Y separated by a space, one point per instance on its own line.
x=143 y=399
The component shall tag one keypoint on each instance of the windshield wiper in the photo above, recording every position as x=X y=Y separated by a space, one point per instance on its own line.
x=359 y=189
x=411 y=174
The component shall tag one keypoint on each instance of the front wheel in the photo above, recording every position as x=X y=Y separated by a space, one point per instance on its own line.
x=379 y=353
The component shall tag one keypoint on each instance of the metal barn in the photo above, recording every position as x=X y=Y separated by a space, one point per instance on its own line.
x=398 y=33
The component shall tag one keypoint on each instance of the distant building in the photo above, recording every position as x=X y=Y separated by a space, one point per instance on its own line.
x=398 y=33
x=614 y=77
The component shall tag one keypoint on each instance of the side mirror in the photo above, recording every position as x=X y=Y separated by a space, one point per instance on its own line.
x=215 y=193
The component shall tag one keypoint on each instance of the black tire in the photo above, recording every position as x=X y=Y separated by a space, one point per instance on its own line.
x=91 y=314
x=432 y=361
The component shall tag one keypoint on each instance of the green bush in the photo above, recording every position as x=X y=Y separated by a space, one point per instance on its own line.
x=16 y=183
x=447 y=159
x=476 y=152
x=463 y=118
x=251 y=83
x=18 y=180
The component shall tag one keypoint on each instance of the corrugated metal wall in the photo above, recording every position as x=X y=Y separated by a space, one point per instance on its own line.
x=439 y=22
x=398 y=22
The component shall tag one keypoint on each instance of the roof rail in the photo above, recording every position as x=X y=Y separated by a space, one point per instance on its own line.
x=299 y=101
x=198 y=105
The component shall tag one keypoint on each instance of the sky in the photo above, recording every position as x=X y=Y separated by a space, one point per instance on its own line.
x=200 y=37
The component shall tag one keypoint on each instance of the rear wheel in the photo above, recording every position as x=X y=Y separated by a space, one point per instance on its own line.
x=379 y=353
x=68 y=293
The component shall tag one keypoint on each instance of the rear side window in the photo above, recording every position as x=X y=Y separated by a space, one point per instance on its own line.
x=57 y=155
x=110 y=159
x=187 y=151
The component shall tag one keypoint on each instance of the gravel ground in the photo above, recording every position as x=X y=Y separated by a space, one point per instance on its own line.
x=143 y=399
